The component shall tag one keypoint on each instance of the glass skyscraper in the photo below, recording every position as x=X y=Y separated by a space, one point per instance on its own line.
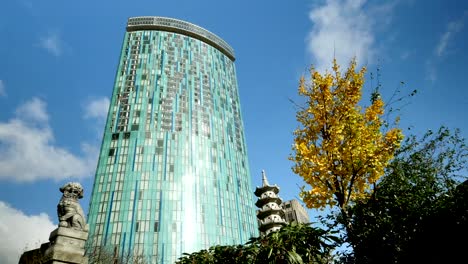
x=173 y=173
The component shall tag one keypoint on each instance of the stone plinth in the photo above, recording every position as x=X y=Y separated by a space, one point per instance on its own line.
x=67 y=245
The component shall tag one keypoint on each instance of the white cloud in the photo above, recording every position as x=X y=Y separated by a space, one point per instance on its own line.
x=2 y=88
x=443 y=46
x=34 y=110
x=28 y=151
x=405 y=55
x=20 y=231
x=452 y=28
x=97 y=108
x=341 y=29
x=52 y=43
x=431 y=71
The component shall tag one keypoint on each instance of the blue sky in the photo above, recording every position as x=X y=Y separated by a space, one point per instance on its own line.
x=59 y=58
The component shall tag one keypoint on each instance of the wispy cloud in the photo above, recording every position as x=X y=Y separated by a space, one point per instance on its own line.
x=97 y=108
x=431 y=71
x=342 y=30
x=2 y=88
x=26 y=4
x=405 y=55
x=452 y=28
x=20 y=231
x=33 y=111
x=443 y=46
x=28 y=151
x=52 y=43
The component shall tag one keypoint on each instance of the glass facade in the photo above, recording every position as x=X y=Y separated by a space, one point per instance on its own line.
x=173 y=173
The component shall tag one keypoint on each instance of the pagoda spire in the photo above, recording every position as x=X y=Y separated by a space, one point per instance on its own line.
x=264 y=179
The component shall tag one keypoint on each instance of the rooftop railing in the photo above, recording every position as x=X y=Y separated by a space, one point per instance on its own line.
x=182 y=27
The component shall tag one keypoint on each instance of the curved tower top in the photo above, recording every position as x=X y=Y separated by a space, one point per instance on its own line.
x=182 y=27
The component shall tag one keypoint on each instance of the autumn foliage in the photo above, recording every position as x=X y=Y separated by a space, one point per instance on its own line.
x=340 y=149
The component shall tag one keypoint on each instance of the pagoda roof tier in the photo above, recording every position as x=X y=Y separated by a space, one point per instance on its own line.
x=259 y=190
x=261 y=202
x=265 y=213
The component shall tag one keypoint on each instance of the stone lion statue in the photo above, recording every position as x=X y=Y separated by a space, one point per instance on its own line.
x=69 y=210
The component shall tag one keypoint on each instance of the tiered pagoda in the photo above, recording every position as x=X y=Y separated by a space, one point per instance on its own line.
x=270 y=214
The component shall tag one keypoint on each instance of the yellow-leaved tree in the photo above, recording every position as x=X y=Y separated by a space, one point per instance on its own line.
x=340 y=148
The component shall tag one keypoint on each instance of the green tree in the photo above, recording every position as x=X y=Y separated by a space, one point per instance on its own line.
x=415 y=205
x=295 y=243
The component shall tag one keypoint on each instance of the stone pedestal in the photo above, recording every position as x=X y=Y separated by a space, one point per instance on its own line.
x=67 y=245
